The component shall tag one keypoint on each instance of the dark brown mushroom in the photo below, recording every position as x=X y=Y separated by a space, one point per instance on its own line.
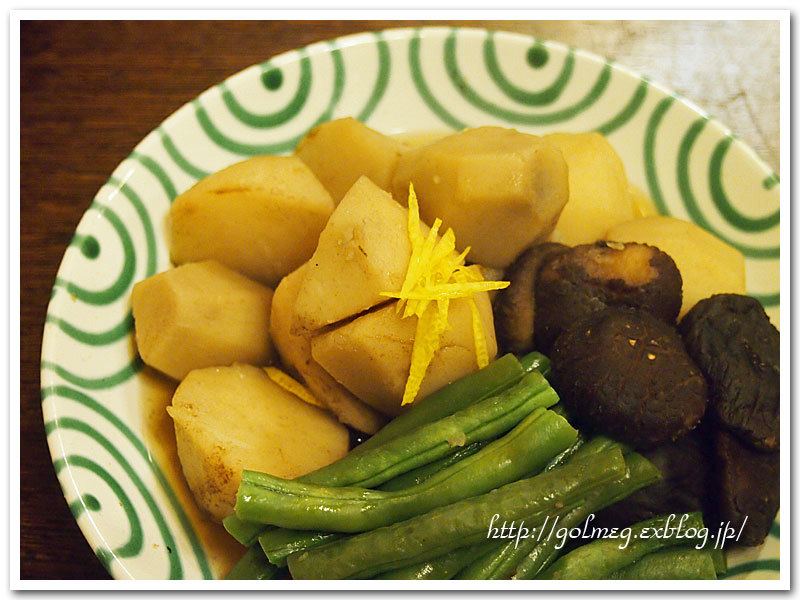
x=731 y=339
x=590 y=277
x=625 y=373
x=514 y=306
x=748 y=487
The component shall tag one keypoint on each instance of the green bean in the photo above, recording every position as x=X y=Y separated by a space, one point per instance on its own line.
x=244 y=532
x=442 y=567
x=253 y=565
x=600 y=558
x=423 y=473
x=562 y=457
x=462 y=523
x=277 y=543
x=536 y=361
x=599 y=443
x=670 y=563
x=583 y=446
x=492 y=379
x=286 y=503
x=483 y=420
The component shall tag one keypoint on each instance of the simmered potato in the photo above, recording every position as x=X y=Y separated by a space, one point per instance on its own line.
x=232 y=418
x=499 y=189
x=371 y=355
x=341 y=151
x=261 y=217
x=708 y=265
x=295 y=352
x=599 y=195
x=363 y=250
x=201 y=315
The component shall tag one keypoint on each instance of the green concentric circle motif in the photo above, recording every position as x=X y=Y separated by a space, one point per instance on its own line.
x=396 y=80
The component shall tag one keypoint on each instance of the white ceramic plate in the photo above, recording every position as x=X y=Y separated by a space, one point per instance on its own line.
x=112 y=451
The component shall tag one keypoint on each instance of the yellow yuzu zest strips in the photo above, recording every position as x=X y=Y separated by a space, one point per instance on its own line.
x=481 y=352
x=414 y=232
x=292 y=386
x=430 y=327
x=434 y=276
x=450 y=290
x=442 y=251
x=421 y=355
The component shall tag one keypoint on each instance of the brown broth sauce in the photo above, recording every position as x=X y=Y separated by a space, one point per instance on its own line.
x=221 y=549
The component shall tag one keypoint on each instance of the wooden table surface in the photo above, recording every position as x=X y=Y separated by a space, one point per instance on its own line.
x=91 y=90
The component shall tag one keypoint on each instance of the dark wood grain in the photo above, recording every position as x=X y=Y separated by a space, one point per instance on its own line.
x=90 y=91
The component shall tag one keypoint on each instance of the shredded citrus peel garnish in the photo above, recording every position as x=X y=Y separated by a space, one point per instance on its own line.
x=436 y=275
x=292 y=386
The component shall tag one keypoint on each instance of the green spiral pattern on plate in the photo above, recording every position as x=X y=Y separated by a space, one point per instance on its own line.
x=179 y=159
x=541 y=97
x=281 y=115
x=134 y=544
x=123 y=281
x=691 y=204
x=515 y=117
x=158 y=171
x=68 y=393
x=426 y=78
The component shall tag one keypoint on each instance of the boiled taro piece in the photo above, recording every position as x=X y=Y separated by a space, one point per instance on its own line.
x=738 y=350
x=593 y=276
x=514 y=306
x=685 y=468
x=624 y=372
x=748 y=487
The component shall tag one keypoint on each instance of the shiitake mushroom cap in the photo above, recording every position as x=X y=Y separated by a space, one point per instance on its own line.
x=748 y=487
x=514 y=308
x=731 y=339
x=587 y=278
x=625 y=373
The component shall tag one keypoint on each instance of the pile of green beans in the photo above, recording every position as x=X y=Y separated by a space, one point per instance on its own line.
x=532 y=393
x=524 y=558
x=602 y=558
x=485 y=383
x=460 y=524
x=425 y=472
x=483 y=420
x=523 y=451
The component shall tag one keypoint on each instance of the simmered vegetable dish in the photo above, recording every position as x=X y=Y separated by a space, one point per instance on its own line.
x=523 y=346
